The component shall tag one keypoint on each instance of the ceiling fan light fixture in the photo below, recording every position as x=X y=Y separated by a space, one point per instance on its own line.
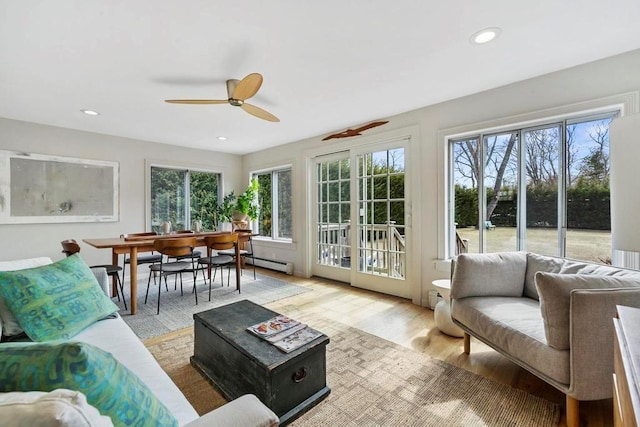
x=90 y=112
x=485 y=36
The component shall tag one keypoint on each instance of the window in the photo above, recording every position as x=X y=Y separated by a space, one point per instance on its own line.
x=275 y=200
x=561 y=168
x=182 y=196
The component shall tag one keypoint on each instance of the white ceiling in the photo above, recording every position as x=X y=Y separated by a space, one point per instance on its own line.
x=327 y=65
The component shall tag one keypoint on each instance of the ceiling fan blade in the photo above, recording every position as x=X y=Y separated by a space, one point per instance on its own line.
x=196 y=101
x=247 y=87
x=259 y=112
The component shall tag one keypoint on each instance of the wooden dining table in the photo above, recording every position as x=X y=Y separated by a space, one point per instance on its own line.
x=132 y=246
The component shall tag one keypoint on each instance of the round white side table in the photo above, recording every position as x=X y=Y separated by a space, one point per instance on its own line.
x=442 y=312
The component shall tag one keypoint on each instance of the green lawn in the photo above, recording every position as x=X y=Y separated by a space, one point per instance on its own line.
x=588 y=245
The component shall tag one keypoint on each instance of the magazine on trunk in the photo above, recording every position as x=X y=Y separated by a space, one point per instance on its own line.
x=272 y=326
x=284 y=333
x=297 y=339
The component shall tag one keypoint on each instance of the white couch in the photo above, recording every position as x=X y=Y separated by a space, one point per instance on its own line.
x=552 y=316
x=115 y=337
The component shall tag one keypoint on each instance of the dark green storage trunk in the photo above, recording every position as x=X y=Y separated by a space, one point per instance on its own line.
x=238 y=362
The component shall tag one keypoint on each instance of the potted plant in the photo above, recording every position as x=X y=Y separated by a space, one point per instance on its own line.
x=224 y=212
x=247 y=203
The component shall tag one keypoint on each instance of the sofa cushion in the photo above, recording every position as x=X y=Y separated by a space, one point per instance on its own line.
x=61 y=407
x=551 y=264
x=55 y=301
x=555 y=299
x=514 y=327
x=501 y=274
x=11 y=327
x=108 y=385
x=535 y=263
x=132 y=353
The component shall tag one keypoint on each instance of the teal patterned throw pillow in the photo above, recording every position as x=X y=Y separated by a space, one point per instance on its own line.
x=55 y=301
x=108 y=385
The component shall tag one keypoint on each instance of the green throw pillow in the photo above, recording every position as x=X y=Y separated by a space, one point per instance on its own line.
x=108 y=385
x=55 y=301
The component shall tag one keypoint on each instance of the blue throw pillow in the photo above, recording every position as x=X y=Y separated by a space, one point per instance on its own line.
x=108 y=385
x=55 y=301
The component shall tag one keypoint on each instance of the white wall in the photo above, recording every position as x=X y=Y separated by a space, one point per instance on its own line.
x=30 y=240
x=615 y=75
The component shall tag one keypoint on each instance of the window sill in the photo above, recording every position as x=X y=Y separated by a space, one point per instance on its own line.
x=272 y=243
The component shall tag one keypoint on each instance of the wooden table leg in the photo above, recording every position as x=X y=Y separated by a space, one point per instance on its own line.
x=133 y=282
x=114 y=261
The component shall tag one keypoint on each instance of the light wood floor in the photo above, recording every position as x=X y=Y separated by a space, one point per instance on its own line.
x=400 y=321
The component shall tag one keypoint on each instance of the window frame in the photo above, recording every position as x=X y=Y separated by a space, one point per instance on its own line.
x=274 y=171
x=149 y=165
x=563 y=121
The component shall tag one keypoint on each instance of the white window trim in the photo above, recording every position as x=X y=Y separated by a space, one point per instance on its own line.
x=626 y=103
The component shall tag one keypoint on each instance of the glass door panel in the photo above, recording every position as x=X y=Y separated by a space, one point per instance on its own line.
x=381 y=218
x=373 y=255
x=203 y=200
x=501 y=183
x=588 y=234
x=542 y=166
x=168 y=198
x=466 y=187
x=333 y=222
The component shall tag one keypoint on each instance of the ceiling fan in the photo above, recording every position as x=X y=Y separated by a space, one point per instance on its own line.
x=238 y=92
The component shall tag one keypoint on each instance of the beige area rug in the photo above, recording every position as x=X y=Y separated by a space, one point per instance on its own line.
x=176 y=311
x=375 y=382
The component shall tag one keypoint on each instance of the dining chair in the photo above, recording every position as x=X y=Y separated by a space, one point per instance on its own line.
x=172 y=247
x=219 y=243
x=245 y=235
x=142 y=259
x=196 y=253
x=70 y=247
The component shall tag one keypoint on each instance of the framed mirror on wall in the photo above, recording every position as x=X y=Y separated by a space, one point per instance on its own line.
x=37 y=188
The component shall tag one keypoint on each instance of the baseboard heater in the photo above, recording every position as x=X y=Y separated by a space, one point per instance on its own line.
x=271 y=264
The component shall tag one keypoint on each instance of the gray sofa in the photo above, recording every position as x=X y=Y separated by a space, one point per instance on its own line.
x=552 y=316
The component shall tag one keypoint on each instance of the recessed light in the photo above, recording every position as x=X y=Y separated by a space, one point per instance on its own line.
x=91 y=112
x=222 y=138
x=485 y=36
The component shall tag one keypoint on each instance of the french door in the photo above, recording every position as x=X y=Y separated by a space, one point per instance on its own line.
x=360 y=218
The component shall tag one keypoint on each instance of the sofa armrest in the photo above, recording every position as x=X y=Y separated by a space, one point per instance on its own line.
x=245 y=411
x=102 y=278
x=591 y=336
x=498 y=274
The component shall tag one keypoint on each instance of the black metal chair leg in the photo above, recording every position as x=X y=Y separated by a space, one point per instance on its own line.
x=253 y=261
x=195 y=282
x=124 y=300
x=146 y=295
